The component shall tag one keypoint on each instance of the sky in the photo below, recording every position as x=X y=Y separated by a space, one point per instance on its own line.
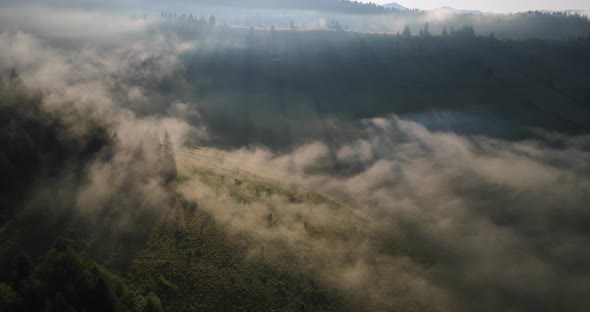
x=495 y=5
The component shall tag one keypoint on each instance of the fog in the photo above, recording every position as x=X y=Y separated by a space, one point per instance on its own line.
x=453 y=199
x=458 y=216
x=286 y=14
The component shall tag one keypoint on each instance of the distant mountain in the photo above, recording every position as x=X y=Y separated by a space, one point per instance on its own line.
x=450 y=10
x=395 y=6
x=446 y=10
x=345 y=6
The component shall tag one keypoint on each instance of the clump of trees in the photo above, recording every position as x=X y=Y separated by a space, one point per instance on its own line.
x=33 y=144
x=189 y=18
x=466 y=31
x=39 y=154
x=335 y=25
x=66 y=280
x=37 y=150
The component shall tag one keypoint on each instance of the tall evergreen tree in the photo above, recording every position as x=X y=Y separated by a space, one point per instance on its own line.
x=14 y=79
x=407 y=31
x=168 y=159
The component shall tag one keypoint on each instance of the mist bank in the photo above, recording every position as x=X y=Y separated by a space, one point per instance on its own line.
x=318 y=15
x=457 y=222
x=265 y=82
x=76 y=159
x=465 y=156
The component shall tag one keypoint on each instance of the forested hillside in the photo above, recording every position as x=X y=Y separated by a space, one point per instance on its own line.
x=292 y=156
x=163 y=250
x=258 y=75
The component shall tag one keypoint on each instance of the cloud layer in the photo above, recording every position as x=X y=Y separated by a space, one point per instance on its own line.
x=488 y=223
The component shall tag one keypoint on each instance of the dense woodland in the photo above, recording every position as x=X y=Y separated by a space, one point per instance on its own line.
x=369 y=18
x=43 y=165
x=146 y=247
x=273 y=79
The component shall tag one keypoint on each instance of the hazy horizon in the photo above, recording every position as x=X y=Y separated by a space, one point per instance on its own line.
x=501 y=6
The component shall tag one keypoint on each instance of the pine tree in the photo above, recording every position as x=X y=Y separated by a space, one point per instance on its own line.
x=116 y=141
x=168 y=159
x=14 y=80
x=152 y=303
x=407 y=31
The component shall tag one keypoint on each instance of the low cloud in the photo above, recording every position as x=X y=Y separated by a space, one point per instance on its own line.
x=447 y=212
x=426 y=218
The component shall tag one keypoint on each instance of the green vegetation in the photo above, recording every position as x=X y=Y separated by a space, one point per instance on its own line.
x=273 y=83
x=188 y=264
x=188 y=165
x=65 y=280
x=193 y=264
x=185 y=261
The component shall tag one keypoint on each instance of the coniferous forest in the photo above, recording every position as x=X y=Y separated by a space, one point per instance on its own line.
x=292 y=156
